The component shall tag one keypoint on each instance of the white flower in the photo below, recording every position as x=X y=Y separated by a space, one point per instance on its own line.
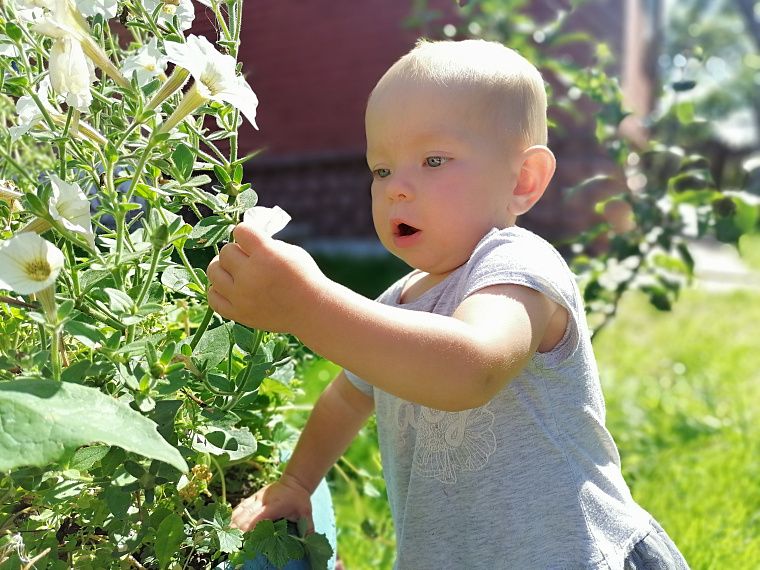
x=183 y=9
x=71 y=209
x=29 y=114
x=71 y=73
x=215 y=79
x=64 y=22
x=30 y=10
x=147 y=63
x=31 y=4
x=106 y=8
x=266 y=220
x=28 y=263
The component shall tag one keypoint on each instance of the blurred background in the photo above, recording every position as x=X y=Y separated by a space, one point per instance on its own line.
x=656 y=126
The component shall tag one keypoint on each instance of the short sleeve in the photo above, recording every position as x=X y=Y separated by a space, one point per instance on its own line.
x=360 y=384
x=521 y=258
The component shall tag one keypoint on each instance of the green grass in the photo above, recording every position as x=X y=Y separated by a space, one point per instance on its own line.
x=683 y=403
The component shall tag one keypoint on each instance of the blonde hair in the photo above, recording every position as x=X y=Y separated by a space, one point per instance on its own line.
x=486 y=67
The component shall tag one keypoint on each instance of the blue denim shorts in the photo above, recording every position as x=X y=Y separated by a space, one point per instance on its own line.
x=656 y=551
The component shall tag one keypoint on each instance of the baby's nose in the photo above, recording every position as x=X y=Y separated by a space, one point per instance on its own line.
x=399 y=189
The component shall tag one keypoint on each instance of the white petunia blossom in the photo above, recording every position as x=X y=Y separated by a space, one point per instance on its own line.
x=30 y=116
x=106 y=8
x=215 y=77
x=71 y=73
x=64 y=22
x=183 y=9
x=146 y=64
x=28 y=263
x=266 y=220
x=30 y=10
x=31 y=4
x=71 y=209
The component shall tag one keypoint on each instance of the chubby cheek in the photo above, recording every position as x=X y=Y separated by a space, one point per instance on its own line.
x=380 y=221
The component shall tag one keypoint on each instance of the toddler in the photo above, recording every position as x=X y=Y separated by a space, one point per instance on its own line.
x=478 y=363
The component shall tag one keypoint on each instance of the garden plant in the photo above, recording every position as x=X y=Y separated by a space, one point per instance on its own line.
x=130 y=415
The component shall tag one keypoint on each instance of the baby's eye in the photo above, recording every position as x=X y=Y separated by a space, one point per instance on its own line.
x=381 y=172
x=435 y=161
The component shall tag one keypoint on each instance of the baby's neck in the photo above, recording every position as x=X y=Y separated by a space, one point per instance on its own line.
x=419 y=283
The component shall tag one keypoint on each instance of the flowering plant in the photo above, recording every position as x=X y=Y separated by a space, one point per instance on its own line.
x=130 y=412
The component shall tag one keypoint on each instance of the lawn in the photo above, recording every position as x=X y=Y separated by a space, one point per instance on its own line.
x=683 y=400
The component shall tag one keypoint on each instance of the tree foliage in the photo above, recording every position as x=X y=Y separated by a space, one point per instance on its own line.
x=665 y=191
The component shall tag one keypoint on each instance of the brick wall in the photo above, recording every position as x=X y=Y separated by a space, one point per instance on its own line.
x=312 y=65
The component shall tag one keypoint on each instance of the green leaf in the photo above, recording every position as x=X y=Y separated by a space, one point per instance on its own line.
x=88 y=279
x=214 y=345
x=244 y=337
x=86 y=457
x=230 y=539
x=85 y=333
x=169 y=537
x=318 y=550
x=221 y=175
x=235 y=442
x=14 y=32
x=184 y=160
x=177 y=278
x=43 y=418
x=118 y=301
x=237 y=173
x=208 y=231
x=273 y=541
x=246 y=199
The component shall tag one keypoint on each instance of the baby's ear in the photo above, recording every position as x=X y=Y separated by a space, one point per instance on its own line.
x=536 y=168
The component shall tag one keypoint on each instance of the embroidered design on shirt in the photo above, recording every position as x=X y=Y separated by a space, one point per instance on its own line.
x=448 y=443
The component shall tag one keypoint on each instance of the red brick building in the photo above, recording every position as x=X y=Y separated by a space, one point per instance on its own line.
x=313 y=64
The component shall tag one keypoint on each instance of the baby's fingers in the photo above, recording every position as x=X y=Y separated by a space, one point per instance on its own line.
x=247 y=514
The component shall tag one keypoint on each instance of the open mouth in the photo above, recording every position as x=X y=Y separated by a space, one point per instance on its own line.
x=404 y=230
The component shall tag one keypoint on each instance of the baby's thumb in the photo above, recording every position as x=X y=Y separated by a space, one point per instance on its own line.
x=248 y=237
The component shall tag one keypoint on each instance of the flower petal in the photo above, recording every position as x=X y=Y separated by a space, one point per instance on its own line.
x=266 y=220
x=29 y=263
x=186 y=55
x=242 y=97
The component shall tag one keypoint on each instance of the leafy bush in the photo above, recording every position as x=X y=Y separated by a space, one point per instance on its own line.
x=663 y=191
x=131 y=415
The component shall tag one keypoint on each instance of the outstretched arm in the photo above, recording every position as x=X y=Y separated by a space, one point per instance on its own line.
x=447 y=363
x=337 y=417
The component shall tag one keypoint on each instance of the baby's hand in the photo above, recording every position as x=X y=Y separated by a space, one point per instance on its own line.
x=283 y=499
x=264 y=283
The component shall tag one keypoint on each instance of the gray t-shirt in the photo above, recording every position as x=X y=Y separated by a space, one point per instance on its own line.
x=530 y=480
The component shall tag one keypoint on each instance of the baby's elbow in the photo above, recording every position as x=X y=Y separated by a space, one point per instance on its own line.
x=474 y=392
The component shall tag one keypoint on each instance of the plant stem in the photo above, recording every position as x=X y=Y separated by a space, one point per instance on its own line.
x=149 y=277
x=221 y=478
x=181 y=253
x=46 y=298
x=139 y=168
x=74 y=273
x=202 y=328
x=17 y=303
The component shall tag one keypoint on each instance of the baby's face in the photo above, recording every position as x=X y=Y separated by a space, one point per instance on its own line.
x=442 y=172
